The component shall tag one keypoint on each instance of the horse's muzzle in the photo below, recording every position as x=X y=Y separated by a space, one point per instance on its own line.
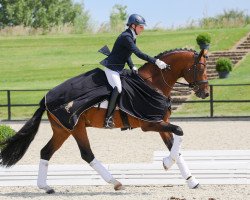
x=202 y=94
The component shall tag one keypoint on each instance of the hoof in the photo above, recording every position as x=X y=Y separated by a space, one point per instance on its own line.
x=51 y=191
x=168 y=163
x=118 y=186
x=47 y=189
x=197 y=186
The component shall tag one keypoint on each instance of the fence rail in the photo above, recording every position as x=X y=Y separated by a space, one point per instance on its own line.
x=211 y=101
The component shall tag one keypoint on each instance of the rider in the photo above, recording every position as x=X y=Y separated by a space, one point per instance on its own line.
x=124 y=46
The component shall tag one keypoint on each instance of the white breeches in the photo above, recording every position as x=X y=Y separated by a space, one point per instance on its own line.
x=113 y=79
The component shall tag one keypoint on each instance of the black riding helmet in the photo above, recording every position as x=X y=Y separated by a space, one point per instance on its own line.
x=136 y=19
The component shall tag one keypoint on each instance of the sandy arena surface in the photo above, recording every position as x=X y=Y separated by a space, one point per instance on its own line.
x=135 y=146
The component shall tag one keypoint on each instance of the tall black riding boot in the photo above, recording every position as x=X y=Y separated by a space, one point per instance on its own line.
x=111 y=108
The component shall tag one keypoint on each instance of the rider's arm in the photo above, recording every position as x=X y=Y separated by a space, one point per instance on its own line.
x=130 y=62
x=129 y=43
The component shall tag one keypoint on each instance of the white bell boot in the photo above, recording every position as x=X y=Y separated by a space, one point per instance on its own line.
x=192 y=182
x=168 y=162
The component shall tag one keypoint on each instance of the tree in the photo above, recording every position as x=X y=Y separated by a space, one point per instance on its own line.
x=41 y=13
x=80 y=19
x=118 y=17
x=13 y=12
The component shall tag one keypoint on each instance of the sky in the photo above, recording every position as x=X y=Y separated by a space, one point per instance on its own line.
x=165 y=13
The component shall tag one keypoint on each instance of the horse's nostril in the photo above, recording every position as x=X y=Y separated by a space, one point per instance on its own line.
x=207 y=94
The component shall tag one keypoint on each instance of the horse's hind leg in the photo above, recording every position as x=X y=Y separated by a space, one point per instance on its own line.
x=59 y=136
x=81 y=137
x=167 y=138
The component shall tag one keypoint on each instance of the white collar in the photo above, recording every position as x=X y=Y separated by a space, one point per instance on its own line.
x=133 y=33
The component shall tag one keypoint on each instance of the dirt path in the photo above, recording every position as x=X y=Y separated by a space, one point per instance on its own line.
x=134 y=147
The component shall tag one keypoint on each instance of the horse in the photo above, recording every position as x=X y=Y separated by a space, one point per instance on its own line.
x=185 y=63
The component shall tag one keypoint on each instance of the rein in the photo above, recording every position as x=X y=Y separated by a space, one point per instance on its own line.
x=175 y=82
x=195 y=84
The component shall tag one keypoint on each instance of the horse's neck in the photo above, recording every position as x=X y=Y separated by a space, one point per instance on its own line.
x=152 y=75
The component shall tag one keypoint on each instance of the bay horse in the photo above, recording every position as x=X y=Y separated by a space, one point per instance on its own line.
x=184 y=63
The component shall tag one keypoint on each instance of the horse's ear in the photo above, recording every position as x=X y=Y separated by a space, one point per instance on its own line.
x=205 y=52
x=201 y=54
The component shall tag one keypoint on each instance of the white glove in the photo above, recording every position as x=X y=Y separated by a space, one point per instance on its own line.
x=135 y=70
x=161 y=64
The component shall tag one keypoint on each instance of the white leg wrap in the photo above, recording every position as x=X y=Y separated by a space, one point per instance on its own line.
x=175 y=150
x=100 y=169
x=186 y=174
x=174 y=153
x=42 y=176
x=183 y=167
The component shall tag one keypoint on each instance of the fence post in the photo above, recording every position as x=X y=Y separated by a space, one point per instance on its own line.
x=9 y=105
x=211 y=101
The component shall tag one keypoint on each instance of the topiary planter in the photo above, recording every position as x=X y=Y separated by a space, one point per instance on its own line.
x=223 y=74
x=203 y=40
x=204 y=46
x=223 y=67
x=5 y=133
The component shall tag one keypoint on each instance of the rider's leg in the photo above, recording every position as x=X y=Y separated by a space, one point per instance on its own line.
x=115 y=81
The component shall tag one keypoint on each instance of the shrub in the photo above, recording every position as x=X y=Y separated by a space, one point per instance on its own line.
x=229 y=19
x=5 y=133
x=224 y=64
x=203 y=38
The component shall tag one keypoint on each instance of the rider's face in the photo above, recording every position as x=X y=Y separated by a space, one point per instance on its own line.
x=138 y=29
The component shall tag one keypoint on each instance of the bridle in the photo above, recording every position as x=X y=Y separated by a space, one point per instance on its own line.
x=195 y=85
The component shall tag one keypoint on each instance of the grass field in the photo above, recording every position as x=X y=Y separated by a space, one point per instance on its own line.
x=42 y=62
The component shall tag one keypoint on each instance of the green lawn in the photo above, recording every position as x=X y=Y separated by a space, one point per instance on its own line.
x=42 y=62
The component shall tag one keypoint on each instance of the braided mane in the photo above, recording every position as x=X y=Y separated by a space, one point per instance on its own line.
x=174 y=51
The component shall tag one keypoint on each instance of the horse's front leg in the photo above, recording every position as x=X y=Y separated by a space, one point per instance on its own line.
x=173 y=142
x=167 y=138
x=177 y=139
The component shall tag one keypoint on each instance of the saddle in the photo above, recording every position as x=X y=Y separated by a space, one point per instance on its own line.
x=70 y=99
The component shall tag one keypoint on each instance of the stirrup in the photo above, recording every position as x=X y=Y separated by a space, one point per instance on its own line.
x=109 y=124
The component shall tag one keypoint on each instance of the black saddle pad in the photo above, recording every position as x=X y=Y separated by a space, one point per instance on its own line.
x=70 y=99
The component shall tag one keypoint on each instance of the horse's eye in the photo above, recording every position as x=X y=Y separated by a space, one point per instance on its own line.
x=206 y=56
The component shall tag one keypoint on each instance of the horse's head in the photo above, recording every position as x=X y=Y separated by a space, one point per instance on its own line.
x=196 y=75
x=191 y=66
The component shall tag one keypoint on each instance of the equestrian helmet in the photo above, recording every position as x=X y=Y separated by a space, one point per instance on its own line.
x=136 y=19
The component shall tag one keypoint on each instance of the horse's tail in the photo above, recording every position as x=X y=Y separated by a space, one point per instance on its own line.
x=15 y=147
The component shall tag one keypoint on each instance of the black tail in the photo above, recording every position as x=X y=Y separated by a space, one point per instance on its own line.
x=15 y=147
